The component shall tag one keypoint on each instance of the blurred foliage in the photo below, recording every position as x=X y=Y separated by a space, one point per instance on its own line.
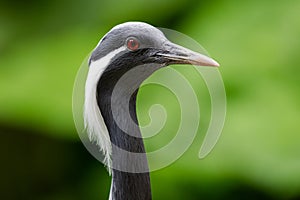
x=42 y=44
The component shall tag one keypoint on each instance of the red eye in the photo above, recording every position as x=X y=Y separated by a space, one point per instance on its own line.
x=132 y=44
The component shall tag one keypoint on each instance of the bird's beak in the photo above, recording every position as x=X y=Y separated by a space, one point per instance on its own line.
x=176 y=54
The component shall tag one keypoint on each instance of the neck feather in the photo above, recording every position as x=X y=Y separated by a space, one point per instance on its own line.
x=125 y=184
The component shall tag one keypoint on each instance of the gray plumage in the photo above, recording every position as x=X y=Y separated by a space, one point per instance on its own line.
x=123 y=59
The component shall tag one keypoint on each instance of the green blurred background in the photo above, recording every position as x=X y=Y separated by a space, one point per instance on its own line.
x=42 y=45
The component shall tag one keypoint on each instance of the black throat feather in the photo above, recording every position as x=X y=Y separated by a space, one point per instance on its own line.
x=126 y=185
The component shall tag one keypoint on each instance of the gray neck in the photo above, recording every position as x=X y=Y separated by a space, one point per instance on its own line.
x=128 y=185
x=117 y=104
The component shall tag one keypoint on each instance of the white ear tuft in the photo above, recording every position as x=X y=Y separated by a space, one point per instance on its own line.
x=93 y=120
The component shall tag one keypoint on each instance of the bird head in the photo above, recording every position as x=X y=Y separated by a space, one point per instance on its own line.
x=123 y=48
x=141 y=43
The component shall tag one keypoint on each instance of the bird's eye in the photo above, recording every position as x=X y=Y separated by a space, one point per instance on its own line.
x=132 y=44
